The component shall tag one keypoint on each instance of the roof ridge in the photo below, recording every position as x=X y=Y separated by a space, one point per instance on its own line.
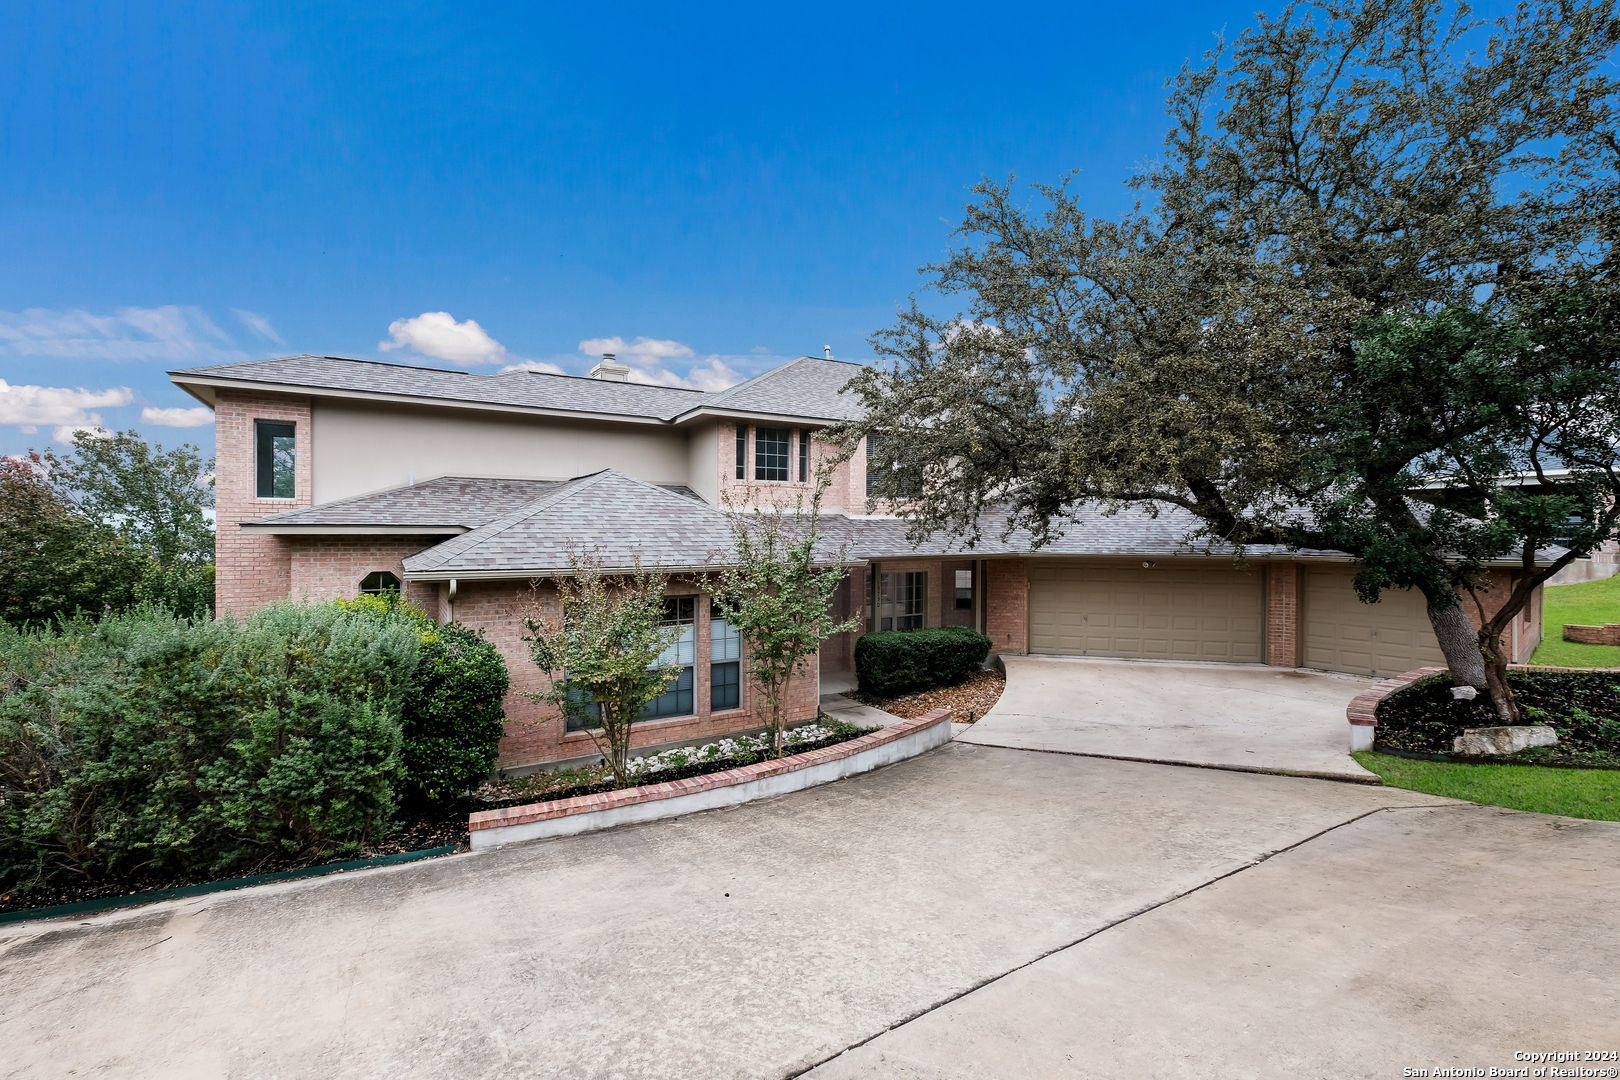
x=515 y=370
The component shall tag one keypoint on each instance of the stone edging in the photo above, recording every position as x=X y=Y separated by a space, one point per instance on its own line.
x=1363 y=708
x=584 y=813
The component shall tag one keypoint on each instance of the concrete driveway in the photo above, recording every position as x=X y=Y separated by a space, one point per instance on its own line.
x=1231 y=716
x=974 y=912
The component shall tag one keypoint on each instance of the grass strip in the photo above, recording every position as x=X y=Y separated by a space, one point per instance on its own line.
x=1578 y=793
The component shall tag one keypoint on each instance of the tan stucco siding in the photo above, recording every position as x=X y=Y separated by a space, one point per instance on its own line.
x=364 y=448
x=703 y=446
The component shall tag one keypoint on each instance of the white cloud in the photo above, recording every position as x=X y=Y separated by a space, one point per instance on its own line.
x=168 y=333
x=761 y=350
x=533 y=365
x=259 y=324
x=437 y=334
x=648 y=360
x=31 y=407
x=197 y=417
x=68 y=432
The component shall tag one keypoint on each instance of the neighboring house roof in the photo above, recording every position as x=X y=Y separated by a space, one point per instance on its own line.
x=807 y=387
x=446 y=504
x=608 y=516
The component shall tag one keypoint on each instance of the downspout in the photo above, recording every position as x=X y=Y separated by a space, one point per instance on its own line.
x=450 y=595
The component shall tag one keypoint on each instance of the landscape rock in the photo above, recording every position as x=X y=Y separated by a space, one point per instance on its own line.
x=1503 y=740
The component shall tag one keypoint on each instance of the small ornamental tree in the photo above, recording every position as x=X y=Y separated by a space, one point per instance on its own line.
x=604 y=651
x=778 y=595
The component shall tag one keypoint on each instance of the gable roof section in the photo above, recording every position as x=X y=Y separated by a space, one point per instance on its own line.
x=808 y=387
x=607 y=515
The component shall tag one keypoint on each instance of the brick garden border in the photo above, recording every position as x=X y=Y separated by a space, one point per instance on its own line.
x=1363 y=708
x=672 y=798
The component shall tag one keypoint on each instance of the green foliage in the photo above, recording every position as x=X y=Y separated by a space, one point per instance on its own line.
x=891 y=662
x=778 y=593
x=1579 y=793
x=113 y=524
x=144 y=741
x=603 y=650
x=1589 y=603
x=453 y=716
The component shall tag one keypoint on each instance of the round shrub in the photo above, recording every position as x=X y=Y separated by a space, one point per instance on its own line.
x=454 y=719
x=891 y=662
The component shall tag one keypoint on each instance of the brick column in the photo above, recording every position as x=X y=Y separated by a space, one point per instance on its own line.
x=253 y=570
x=1282 y=614
x=1007 y=619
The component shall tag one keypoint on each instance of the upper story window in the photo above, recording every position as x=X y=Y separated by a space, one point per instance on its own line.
x=804 y=456
x=742 y=451
x=276 y=459
x=771 y=453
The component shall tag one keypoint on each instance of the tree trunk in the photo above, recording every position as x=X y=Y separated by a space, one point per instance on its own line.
x=1459 y=641
x=1496 y=669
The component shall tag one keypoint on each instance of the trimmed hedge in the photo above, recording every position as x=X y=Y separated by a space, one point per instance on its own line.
x=891 y=662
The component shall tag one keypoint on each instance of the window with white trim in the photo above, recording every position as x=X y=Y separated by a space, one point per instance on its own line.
x=771 y=447
x=725 y=662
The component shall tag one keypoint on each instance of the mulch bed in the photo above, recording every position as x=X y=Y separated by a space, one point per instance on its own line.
x=1583 y=707
x=967 y=700
x=441 y=827
x=548 y=787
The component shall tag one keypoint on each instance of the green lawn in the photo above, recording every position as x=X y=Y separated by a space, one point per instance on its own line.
x=1591 y=603
x=1581 y=793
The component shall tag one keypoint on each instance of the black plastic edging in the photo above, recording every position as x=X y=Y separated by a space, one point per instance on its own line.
x=87 y=907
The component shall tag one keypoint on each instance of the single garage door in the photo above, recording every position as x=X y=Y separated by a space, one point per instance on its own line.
x=1163 y=613
x=1343 y=634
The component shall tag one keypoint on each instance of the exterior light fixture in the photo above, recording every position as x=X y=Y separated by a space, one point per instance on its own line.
x=1147 y=564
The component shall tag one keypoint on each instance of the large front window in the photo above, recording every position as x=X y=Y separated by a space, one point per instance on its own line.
x=903 y=601
x=771 y=453
x=277 y=456
x=725 y=662
x=679 y=611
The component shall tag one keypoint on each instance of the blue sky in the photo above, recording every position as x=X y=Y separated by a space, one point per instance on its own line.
x=704 y=188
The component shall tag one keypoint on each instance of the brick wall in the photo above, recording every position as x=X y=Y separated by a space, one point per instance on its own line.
x=253 y=570
x=1282 y=614
x=535 y=733
x=330 y=567
x=1607 y=634
x=840 y=494
x=1007 y=606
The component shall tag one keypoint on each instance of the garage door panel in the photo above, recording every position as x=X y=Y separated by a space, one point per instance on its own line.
x=1340 y=633
x=1164 y=614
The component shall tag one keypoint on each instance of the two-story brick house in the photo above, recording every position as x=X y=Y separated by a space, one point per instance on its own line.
x=470 y=492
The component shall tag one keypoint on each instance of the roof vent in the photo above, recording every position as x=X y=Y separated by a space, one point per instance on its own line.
x=610 y=369
x=826 y=350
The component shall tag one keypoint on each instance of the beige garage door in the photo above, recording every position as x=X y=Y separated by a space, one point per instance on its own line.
x=1164 y=613
x=1343 y=634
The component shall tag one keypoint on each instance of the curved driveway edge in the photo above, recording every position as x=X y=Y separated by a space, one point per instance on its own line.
x=1242 y=717
x=674 y=798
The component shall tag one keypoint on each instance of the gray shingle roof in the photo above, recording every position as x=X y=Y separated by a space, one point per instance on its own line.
x=525 y=389
x=607 y=515
x=808 y=387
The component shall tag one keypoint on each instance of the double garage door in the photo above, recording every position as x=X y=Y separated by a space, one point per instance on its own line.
x=1180 y=612
x=1159 y=613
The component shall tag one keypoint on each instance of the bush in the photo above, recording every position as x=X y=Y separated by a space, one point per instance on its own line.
x=890 y=662
x=454 y=716
x=146 y=741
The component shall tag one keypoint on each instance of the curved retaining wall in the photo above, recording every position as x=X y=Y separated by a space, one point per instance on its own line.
x=1363 y=708
x=673 y=798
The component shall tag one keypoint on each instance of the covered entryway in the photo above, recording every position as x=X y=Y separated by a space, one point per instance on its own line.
x=1343 y=634
x=1167 y=611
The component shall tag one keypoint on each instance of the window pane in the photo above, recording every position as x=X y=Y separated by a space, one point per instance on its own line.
x=676 y=701
x=276 y=455
x=742 y=451
x=379 y=582
x=725 y=686
x=771 y=453
x=724 y=641
x=804 y=456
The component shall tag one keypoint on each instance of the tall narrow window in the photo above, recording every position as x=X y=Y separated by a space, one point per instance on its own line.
x=277 y=456
x=964 y=590
x=677 y=700
x=903 y=601
x=804 y=456
x=725 y=662
x=874 y=467
x=742 y=451
x=771 y=446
